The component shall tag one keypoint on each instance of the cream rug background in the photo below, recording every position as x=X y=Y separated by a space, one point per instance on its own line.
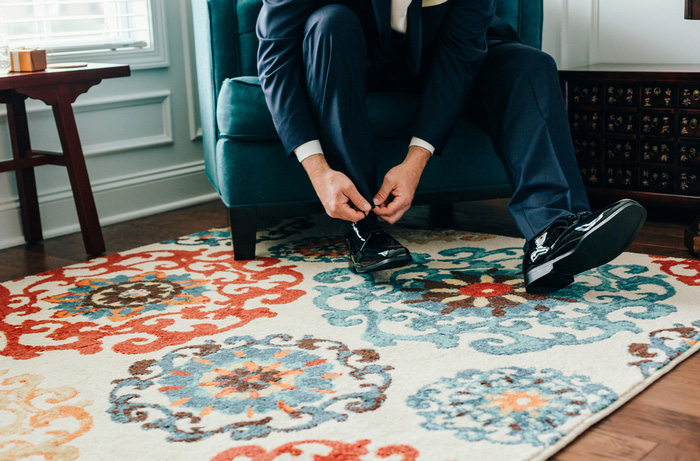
x=175 y=351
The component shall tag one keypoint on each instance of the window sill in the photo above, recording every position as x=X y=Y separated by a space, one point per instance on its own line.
x=137 y=59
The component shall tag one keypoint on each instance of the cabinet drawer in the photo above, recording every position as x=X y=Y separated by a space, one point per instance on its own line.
x=689 y=124
x=688 y=183
x=586 y=95
x=622 y=95
x=591 y=174
x=587 y=148
x=585 y=121
x=656 y=152
x=621 y=123
x=656 y=179
x=658 y=123
x=620 y=150
x=658 y=96
x=690 y=97
x=688 y=153
x=621 y=177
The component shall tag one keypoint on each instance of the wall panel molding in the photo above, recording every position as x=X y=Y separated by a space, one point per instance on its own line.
x=139 y=143
x=164 y=137
x=92 y=104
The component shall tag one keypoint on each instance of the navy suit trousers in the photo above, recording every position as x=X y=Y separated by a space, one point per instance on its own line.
x=516 y=99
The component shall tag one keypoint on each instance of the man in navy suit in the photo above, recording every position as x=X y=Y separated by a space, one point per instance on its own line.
x=316 y=61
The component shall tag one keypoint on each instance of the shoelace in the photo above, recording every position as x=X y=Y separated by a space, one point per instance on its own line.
x=570 y=223
x=366 y=228
x=556 y=231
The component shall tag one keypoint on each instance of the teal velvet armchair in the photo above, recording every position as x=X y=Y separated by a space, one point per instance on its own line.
x=245 y=160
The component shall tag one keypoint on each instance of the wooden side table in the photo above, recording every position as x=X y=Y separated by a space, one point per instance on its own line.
x=58 y=88
x=636 y=133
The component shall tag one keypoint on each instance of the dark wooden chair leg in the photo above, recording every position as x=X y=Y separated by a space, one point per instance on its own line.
x=441 y=215
x=244 y=225
x=78 y=174
x=26 y=182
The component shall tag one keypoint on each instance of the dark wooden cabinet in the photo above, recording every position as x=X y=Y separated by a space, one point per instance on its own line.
x=636 y=133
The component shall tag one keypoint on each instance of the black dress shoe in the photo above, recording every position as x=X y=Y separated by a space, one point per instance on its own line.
x=577 y=243
x=371 y=248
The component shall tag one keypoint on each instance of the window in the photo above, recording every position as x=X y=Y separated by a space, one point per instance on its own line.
x=71 y=29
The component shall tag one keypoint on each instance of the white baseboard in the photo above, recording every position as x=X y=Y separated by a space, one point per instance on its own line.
x=118 y=200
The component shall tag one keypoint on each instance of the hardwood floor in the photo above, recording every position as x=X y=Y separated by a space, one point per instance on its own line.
x=662 y=423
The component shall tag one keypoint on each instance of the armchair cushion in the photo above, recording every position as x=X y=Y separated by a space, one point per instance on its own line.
x=241 y=112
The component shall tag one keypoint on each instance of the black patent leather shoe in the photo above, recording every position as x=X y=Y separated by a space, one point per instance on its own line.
x=371 y=248
x=577 y=243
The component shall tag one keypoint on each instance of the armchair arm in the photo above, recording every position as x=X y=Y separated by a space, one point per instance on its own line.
x=216 y=55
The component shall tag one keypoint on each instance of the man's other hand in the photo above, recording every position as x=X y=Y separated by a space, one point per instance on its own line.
x=336 y=191
x=400 y=183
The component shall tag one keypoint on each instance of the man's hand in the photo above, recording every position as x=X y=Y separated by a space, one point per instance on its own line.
x=401 y=183
x=336 y=191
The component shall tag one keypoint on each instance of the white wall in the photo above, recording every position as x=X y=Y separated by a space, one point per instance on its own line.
x=140 y=133
x=580 y=32
x=141 y=138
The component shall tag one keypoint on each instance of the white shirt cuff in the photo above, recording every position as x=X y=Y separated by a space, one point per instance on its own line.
x=421 y=143
x=308 y=149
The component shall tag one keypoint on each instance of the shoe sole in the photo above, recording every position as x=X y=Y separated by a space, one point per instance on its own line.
x=382 y=265
x=605 y=242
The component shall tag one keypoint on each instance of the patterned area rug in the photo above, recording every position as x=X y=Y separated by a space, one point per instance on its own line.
x=175 y=351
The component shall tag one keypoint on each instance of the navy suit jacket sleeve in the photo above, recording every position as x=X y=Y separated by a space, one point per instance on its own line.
x=280 y=30
x=458 y=55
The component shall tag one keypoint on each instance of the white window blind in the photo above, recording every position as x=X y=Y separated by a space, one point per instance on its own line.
x=71 y=26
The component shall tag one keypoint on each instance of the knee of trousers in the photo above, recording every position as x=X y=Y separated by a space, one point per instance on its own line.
x=337 y=23
x=535 y=65
x=539 y=65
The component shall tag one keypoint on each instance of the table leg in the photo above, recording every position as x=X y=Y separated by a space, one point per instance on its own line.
x=26 y=181
x=77 y=172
